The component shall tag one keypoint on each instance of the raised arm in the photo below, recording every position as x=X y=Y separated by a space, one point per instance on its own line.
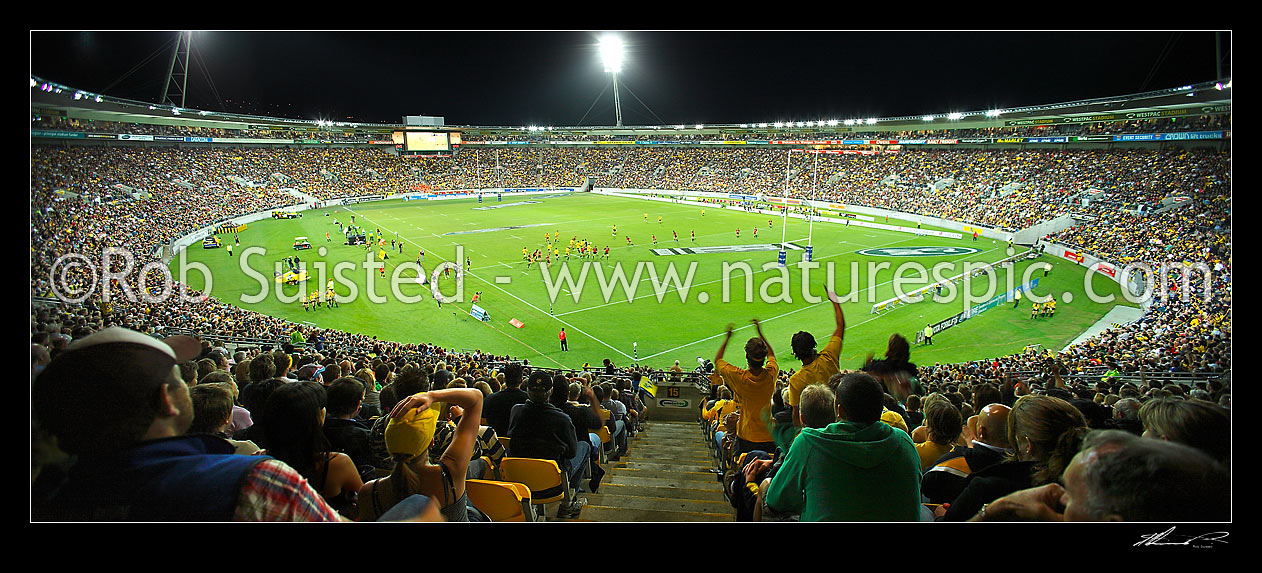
x=469 y=400
x=758 y=328
x=838 y=315
x=723 y=347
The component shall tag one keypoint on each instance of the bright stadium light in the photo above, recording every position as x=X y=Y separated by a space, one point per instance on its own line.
x=764 y=124
x=700 y=126
x=954 y=115
x=849 y=122
x=927 y=118
x=871 y=121
x=33 y=82
x=98 y=99
x=832 y=122
x=611 y=55
x=994 y=113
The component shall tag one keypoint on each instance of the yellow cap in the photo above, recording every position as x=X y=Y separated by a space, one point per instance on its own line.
x=412 y=433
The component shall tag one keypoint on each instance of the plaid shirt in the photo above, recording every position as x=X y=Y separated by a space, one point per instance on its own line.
x=273 y=491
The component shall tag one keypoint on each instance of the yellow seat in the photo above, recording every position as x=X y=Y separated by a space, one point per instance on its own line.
x=504 y=441
x=545 y=479
x=604 y=435
x=501 y=500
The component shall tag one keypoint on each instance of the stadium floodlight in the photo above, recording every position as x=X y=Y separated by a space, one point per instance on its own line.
x=152 y=107
x=764 y=124
x=78 y=96
x=175 y=111
x=700 y=126
x=779 y=124
x=994 y=113
x=927 y=118
x=33 y=82
x=747 y=125
x=871 y=121
x=98 y=99
x=679 y=126
x=611 y=55
x=832 y=122
x=849 y=122
x=954 y=115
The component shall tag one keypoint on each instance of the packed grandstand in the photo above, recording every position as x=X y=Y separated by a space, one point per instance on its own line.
x=1166 y=375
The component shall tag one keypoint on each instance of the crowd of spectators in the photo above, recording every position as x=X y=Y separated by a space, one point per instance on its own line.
x=57 y=123
x=1209 y=122
x=887 y=440
x=78 y=206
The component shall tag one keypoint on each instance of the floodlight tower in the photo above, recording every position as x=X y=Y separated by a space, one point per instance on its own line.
x=611 y=54
x=178 y=78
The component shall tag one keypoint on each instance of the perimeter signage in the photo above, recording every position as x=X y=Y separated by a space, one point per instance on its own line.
x=918 y=251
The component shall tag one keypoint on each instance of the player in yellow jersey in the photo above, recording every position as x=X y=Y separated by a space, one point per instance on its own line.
x=1034 y=310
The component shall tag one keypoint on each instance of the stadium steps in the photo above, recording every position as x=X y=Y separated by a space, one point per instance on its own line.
x=665 y=477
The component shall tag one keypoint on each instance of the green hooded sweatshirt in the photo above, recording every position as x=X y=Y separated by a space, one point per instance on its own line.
x=849 y=472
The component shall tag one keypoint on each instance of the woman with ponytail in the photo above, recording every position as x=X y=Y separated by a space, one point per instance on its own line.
x=1045 y=433
x=408 y=436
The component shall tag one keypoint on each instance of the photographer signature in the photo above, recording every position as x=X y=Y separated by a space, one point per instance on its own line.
x=1154 y=539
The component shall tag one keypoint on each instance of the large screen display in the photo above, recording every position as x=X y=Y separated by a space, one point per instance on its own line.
x=426 y=141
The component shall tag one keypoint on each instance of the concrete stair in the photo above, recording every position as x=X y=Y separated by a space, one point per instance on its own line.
x=666 y=476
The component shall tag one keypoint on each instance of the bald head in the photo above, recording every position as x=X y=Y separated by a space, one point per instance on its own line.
x=992 y=425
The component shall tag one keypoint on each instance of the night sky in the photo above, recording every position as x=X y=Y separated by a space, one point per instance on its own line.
x=555 y=78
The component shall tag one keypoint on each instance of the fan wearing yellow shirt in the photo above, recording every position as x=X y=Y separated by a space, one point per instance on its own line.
x=753 y=388
x=817 y=367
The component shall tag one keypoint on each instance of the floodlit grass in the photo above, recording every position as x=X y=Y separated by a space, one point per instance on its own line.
x=665 y=331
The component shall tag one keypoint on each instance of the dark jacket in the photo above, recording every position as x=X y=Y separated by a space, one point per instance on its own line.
x=499 y=406
x=542 y=431
x=988 y=485
x=185 y=478
x=350 y=437
x=944 y=481
x=585 y=421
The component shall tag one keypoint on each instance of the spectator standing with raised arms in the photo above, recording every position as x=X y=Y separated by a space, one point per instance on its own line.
x=817 y=367
x=753 y=388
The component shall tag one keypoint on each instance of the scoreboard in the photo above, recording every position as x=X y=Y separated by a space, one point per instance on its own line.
x=426 y=141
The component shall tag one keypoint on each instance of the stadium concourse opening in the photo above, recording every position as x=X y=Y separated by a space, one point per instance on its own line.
x=700 y=377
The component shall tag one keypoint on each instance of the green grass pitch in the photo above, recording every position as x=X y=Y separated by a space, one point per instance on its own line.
x=660 y=331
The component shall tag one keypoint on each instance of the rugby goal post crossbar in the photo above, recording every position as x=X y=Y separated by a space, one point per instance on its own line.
x=919 y=294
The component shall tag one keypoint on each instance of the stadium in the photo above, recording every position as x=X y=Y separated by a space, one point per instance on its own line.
x=640 y=323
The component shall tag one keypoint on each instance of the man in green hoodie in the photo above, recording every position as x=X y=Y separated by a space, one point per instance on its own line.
x=857 y=469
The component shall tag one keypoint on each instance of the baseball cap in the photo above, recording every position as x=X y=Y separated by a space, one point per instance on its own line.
x=105 y=376
x=540 y=385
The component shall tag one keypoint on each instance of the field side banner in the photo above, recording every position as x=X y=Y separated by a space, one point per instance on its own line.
x=362 y=199
x=999 y=299
x=940 y=326
x=58 y=134
x=1133 y=280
